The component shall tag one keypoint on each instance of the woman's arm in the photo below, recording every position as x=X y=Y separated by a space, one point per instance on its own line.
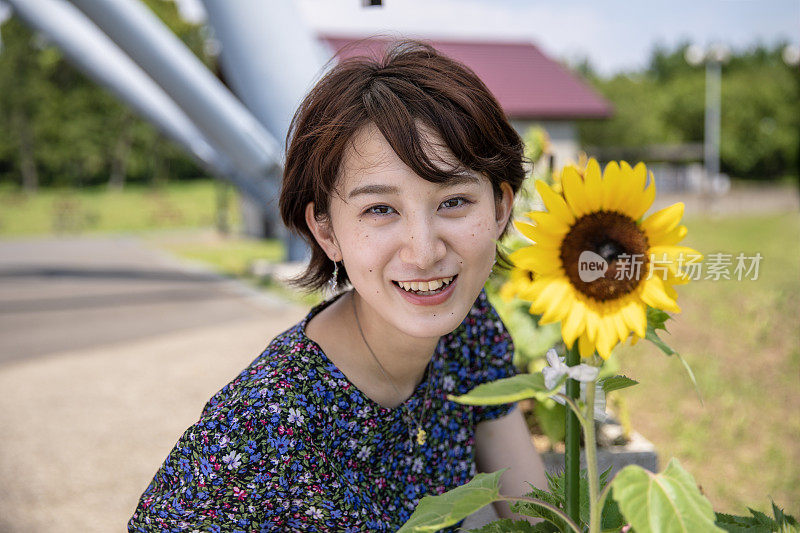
x=506 y=442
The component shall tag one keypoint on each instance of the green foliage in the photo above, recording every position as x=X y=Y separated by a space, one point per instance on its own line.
x=664 y=104
x=436 y=512
x=59 y=128
x=506 y=390
x=666 y=502
x=616 y=383
x=551 y=417
x=758 y=522
x=507 y=525
x=656 y=318
x=612 y=519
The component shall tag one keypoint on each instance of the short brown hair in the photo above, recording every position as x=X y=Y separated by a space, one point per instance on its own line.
x=411 y=82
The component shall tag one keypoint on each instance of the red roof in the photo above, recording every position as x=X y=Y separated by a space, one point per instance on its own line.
x=527 y=84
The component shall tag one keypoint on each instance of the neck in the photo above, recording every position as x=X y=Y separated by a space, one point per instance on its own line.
x=402 y=357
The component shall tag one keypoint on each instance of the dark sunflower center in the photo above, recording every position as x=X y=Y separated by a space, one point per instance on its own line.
x=605 y=255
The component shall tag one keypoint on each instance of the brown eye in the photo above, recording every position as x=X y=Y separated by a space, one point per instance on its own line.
x=452 y=202
x=379 y=210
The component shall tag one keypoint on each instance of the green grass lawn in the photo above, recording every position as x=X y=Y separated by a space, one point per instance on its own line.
x=95 y=210
x=740 y=337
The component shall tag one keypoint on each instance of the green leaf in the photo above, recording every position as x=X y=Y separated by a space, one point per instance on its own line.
x=667 y=502
x=436 y=512
x=552 y=418
x=536 y=511
x=758 y=522
x=508 y=525
x=617 y=383
x=519 y=387
x=656 y=318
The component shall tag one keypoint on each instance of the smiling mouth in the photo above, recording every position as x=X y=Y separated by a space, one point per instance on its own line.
x=426 y=288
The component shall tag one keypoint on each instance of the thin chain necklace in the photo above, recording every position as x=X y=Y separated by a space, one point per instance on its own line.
x=421 y=433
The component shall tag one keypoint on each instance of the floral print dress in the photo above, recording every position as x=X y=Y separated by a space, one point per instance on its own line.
x=292 y=445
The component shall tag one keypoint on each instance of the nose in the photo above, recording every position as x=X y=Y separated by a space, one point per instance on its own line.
x=423 y=244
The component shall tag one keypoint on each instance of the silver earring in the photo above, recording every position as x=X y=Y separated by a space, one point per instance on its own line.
x=334 y=281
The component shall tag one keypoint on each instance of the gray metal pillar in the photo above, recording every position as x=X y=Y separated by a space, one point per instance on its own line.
x=208 y=103
x=267 y=44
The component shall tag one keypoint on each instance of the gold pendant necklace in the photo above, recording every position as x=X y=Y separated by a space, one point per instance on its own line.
x=422 y=435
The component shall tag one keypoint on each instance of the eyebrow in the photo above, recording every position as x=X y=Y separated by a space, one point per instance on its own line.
x=459 y=179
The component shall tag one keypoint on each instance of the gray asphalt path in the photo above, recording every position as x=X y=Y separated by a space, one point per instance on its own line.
x=108 y=352
x=66 y=294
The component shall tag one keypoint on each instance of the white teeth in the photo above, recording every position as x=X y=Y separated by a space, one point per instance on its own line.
x=423 y=285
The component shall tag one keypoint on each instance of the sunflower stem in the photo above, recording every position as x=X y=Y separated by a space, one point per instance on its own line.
x=572 y=452
x=589 y=438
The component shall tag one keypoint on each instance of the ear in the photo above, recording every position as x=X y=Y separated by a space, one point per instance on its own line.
x=503 y=207
x=323 y=233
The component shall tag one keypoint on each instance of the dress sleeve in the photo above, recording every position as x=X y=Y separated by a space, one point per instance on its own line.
x=493 y=355
x=234 y=470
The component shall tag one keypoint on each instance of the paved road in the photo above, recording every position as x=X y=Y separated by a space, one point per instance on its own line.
x=65 y=294
x=108 y=352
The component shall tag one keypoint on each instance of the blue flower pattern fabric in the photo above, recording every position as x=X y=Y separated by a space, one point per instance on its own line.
x=292 y=445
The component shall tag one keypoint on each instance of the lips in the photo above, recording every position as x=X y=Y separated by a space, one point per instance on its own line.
x=421 y=287
x=435 y=297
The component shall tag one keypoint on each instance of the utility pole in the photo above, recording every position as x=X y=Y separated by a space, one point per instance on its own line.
x=713 y=57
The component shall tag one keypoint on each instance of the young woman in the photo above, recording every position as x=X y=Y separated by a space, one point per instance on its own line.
x=401 y=174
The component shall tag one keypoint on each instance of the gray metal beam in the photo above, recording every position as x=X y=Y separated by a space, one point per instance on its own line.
x=208 y=103
x=267 y=44
x=93 y=53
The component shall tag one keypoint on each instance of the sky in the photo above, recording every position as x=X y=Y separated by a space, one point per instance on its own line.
x=615 y=35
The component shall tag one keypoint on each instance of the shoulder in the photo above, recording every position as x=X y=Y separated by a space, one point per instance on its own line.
x=282 y=371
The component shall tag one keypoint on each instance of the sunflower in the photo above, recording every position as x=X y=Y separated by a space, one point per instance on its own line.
x=519 y=285
x=595 y=262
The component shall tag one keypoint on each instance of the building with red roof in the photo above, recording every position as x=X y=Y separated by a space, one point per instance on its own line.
x=531 y=88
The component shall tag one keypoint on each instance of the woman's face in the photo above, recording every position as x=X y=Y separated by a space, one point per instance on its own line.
x=391 y=228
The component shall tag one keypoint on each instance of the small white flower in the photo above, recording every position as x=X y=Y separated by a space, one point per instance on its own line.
x=583 y=373
x=233 y=460
x=448 y=383
x=295 y=416
x=364 y=452
x=314 y=512
x=417 y=466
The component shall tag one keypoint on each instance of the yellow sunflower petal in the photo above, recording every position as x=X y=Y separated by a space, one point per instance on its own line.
x=612 y=181
x=556 y=299
x=555 y=204
x=538 y=259
x=606 y=337
x=635 y=317
x=593 y=185
x=620 y=326
x=645 y=200
x=574 y=324
x=629 y=190
x=585 y=346
x=662 y=222
x=673 y=237
x=654 y=295
x=574 y=192
x=592 y=323
x=534 y=233
x=549 y=224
